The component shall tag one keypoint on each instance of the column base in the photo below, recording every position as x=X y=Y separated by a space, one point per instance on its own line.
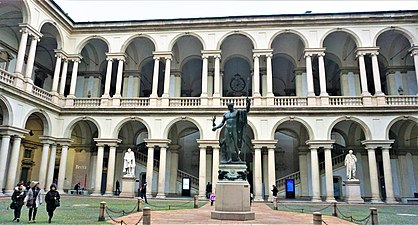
x=330 y=199
x=160 y=195
x=316 y=199
x=391 y=201
x=149 y=196
x=96 y=194
x=108 y=194
x=376 y=201
x=8 y=192
x=202 y=197
x=258 y=199
x=62 y=192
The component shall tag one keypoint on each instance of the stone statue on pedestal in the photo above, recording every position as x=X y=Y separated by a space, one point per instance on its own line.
x=232 y=141
x=350 y=165
x=129 y=163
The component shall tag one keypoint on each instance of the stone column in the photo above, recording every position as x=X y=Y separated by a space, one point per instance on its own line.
x=215 y=166
x=376 y=74
x=99 y=170
x=174 y=167
x=269 y=76
x=62 y=169
x=4 y=151
x=13 y=163
x=388 y=175
x=309 y=75
x=414 y=53
x=167 y=76
x=329 y=178
x=119 y=78
x=31 y=57
x=303 y=169
x=374 y=183
x=108 y=77
x=51 y=165
x=63 y=77
x=257 y=175
x=43 y=165
x=57 y=71
x=204 y=77
x=22 y=51
x=316 y=194
x=265 y=175
x=271 y=169
x=111 y=170
x=161 y=172
x=363 y=75
x=154 y=93
x=202 y=173
x=74 y=77
x=256 y=78
x=150 y=170
x=322 y=76
x=217 y=78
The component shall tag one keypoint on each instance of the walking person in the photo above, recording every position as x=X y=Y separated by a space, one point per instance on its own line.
x=144 y=192
x=33 y=200
x=275 y=191
x=52 y=199
x=212 y=198
x=18 y=198
x=208 y=189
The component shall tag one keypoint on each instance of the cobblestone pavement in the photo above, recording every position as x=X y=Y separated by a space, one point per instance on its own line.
x=263 y=215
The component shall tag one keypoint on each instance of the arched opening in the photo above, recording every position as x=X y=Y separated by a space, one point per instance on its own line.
x=139 y=69
x=397 y=72
x=186 y=70
x=92 y=70
x=237 y=66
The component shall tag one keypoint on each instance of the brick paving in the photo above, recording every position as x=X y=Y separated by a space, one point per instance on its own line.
x=263 y=215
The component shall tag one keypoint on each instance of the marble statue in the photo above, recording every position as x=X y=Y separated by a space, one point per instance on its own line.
x=350 y=165
x=235 y=122
x=129 y=163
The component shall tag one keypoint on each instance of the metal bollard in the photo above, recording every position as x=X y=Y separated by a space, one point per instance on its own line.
x=334 y=211
x=146 y=216
x=317 y=218
x=196 y=202
x=140 y=205
x=275 y=200
x=102 y=211
x=373 y=214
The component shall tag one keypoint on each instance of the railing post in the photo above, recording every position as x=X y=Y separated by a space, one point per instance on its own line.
x=373 y=214
x=140 y=205
x=102 y=211
x=334 y=211
x=146 y=216
x=196 y=202
x=317 y=218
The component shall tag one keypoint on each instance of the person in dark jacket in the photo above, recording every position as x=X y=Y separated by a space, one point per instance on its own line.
x=51 y=198
x=33 y=200
x=144 y=192
x=275 y=191
x=18 y=198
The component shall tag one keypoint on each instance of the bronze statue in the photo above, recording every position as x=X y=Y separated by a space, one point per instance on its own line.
x=231 y=143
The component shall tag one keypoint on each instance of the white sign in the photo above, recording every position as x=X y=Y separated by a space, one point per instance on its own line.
x=186 y=183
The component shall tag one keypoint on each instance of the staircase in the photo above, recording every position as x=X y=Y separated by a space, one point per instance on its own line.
x=337 y=162
x=142 y=159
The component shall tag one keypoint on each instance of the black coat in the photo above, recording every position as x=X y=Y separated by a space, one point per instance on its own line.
x=19 y=196
x=50 y=198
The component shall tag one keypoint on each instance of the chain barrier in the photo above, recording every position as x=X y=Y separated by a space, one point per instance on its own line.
x=305 y=210
x=169 y=206
x=367 y=218
x=324 y=222
x=123 y=214
x=113 y=219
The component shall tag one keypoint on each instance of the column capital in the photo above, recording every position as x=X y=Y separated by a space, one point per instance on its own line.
x=413 y=50
x=27 y=28
x=314 y=51
x=264 y=143
x=64 y=141
x=261 y=52
x=174 y=148
x=157 y=142
x=377 y=143
x=47 y=140
x=211 y=53
x=107 y=141
x=366 y=50
x=320 y=143
x=59 y=53
x=116 y=56
x=207 y=143
x=12 y=131
x=75 y=58
x=163 y=54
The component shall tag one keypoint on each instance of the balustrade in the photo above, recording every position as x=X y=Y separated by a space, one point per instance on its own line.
x=6 y=77
x=402 y=100
x=41 y=93
x=87 y=102
x=134 y=102
x=185 y=101
x=290 y=101
x=346 y=100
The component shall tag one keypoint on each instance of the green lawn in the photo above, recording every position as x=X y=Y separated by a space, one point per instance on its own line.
x=85 y=210
x=386 y=214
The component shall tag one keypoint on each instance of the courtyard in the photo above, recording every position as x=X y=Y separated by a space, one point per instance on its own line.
x=85 y=210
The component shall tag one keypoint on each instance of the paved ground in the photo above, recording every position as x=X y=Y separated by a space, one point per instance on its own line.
x=263 y=215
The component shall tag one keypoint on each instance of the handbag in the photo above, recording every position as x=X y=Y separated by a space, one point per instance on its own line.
x=57 y=203
x=13 y=205
x=29 y=203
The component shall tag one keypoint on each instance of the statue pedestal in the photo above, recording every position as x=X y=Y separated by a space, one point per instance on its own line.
x=128 y=187
x=352 y=189
x=233 y=194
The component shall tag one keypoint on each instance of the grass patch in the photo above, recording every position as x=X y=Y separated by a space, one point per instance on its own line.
x=85 y=210
x=387 y=214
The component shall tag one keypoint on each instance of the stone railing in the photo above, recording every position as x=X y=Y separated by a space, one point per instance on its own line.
x=87 y=102
x=290 y=101
x=194 y=181
x=346 y=100
x=134 y=102
x=185 y=101
x=337 y=161
x=402 y=100
x=238 y=101
x=6 y=77
x=41 y=93
x=281 y=182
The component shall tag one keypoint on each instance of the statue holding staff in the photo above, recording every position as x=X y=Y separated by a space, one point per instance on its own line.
x=350 y=165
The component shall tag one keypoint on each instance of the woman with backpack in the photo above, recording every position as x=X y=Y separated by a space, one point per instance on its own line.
x=18 y=198
x=33 y=200
x=52 y=199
